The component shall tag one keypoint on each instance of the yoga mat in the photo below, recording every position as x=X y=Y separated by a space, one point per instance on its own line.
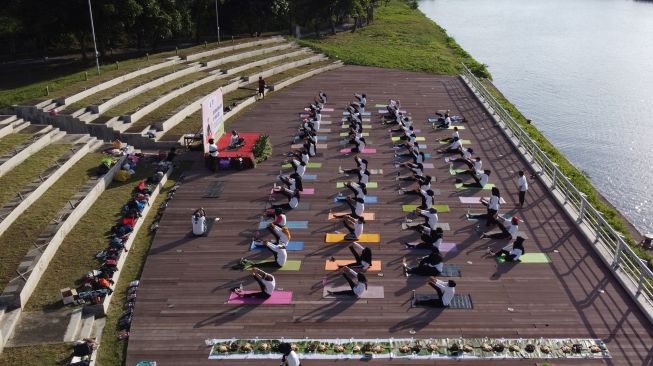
x=456 y=171
x=428 y=165
x=380 y=105
x=419 y=138
x=324 y=130
x=372 y=292
x=326 y=123
x=440 y=208
x=459 y=186
x=303 y=206
x=369 y=185
x=277 y=298
x=376 y=171
x=309 y=177
x=345 y=134
x=530 y=258
x=473 y=200
x=292 y=246
x=468 y=142
x=450 y=270
x=365 y=151
x=364 y=126
x=321 y=110
x=289 y=224
x=321 y=138
x=332 y=266
x=309 y=165
x=444 y=247
x=362 y=114
x=368 y=216
x=459 y=127
x=458 y=301
x=340 y=238
x=214 y=189
x=427 y=155
x=385 y=111
x=422 y=146
x=308 y=191
x=291 y=265
x=299 y=146
x=368 y=199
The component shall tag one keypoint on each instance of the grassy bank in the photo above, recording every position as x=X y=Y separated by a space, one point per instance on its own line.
x=400 y=38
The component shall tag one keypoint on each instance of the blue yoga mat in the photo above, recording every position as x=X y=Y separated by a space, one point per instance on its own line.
x=292 y=245
x=289 y=224
x=368 y=199
x=310 y=177
x=321 y=138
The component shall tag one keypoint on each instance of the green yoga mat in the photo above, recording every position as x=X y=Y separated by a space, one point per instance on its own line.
x=347 y=126
x=419 y=138
x=380 y=105
x=309 y=165
x=440 y=208
x=530 y=258
x=345 y=134
x=369 y=185
x=487 y=187
x=289 y=266
x=456 y=171
x=468 y=142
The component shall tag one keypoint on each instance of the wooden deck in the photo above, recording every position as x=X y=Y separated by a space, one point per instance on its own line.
x=186 y=280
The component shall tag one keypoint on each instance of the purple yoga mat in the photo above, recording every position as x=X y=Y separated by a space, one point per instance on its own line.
x=365 y=151
x=277 y=298
x=428 y=165
x=471 y=200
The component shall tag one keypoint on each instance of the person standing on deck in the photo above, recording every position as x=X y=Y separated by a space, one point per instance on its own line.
x=522 y=185
x=261 y=87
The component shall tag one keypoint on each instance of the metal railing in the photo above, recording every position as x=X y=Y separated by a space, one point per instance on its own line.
x=632 y=270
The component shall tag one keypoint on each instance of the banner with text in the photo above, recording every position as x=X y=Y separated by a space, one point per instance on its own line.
x=212 y=112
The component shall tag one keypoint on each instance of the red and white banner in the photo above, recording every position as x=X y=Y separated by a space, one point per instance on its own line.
x=212 y=113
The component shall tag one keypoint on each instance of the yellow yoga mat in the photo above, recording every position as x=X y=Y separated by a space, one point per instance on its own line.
x=332 y=266
x=419 y=138
x=364 y=238
x=368 y=216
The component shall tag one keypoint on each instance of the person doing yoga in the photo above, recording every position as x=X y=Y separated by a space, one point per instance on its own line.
x=292 y=181
x=362 y=255
x=430 y=220
x=323 y=97
x=445 y=121
x=293 y=199
x=511 y=252
x=236 y=141
x=199 y=222
x=356 y=280
x=281 y=234
x=493 y=205
x=299 y=166
x=357 y=206
x=278 y=251
x=430 y=239
x=480 y=180
x=354 y=225
x=359 y=189
x=423 y=184
x=279 y=218
x=429 y=265
x=445 y=290
x=456 y=147
x=363 y=176
x=417 y=170
x=361 y=164
x=454 y=135
x=360 y=145
x=301 y=154
x=509 y=232
x=465 y=159
x=266 y=282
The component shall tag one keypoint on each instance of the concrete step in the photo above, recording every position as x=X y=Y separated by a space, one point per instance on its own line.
x=8 y=322
x=86 y=328
x=74 y=324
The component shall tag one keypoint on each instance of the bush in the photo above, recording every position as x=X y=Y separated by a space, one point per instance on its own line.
x=262 y=149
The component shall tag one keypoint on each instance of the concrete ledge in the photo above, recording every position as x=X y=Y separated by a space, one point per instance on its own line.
x=244 y=55
x=292 y=80
x=265 y=61
x=284 y=67
x=219 y=50
x=8 y=322
x=14 y=125
x=101 y=309
x=73 y=325
x=40 y=140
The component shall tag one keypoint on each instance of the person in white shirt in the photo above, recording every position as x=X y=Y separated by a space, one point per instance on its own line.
x=511 y=252
x=522 y=185
x=430 y=265
x=357 y=206
x=361 y=164
x=453 y=136
x=363 y=176
x=445 y=290
x=213 y=149
x=509 y=232
x=281 y=234
x=199 y=222
x=430 y=220
x=359 y=189
x=293 y=199
x=363 y=259
x=417 y=170
x=493 y=205
x=279 y=252
x=423 y=184
x=299 y=166
x=323 y=97
x=480 y=181
x=360 y=145
x=302 y=154
x=290 y=357
x=456 y=147
x=355 y=227
x=356 y=280
x=236 y=141
x=292 y=181
x=444 y=119
x=266 y=282
x=431 y=239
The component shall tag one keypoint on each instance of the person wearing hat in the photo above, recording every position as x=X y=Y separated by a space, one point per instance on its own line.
x=511 y=252
x=356 y=280
x=445 y=290
x=430 y=239
x=290 y=357
x=509 y=232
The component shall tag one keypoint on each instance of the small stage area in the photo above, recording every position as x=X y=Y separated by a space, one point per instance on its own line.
x=245 y=152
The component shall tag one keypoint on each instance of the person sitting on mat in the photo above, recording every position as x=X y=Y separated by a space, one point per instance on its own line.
x=363 y=176
x=301 y=154
x=453 y=136
x=417 y=170
x=310 y=145
x=292 y=181
x=290 y=357
x=428 y=198
x=236 y=141
x=511 y=252
x=445 y=290
x=199 y=222
x=430 y=239
x=429 y=265
x=361 y=164
x=456 y=147
x=493 y=205
x=430 y=220
x=411 y=140
x=363 y=259
x=278 y=250
x=359 y=189
x=481 y=180
x=466 y=158
x=281 y=234
x=299 y=166
x=362 y=99
x=509 y=232
x=356 y=280
x=354 y=225
x=413 y=150
x=266 y=282
x=357 y=206
x=360 y=145
x=445 y=121
x=279 y=218
x=423 y=184
x=323 y=97
x=293 y=199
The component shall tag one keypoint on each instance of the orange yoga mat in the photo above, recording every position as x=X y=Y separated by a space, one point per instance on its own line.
x=364 y=238
x=332 y=266
x=368 y=216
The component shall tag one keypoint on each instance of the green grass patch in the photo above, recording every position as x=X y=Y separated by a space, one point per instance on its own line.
x=576 y=177
x=29 y=170
x=76 y=254
x=39 y=355
x=16 y=241
x=112 y=351
x=12 y=140
x=400 y=38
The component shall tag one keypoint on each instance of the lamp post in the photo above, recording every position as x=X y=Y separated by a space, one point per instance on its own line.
x=97 y=61
x=217 y=19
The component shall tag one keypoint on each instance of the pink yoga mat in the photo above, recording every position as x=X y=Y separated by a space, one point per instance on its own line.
x=308 y=191
x=277 y=298
x=471 y=200
x=365 y=151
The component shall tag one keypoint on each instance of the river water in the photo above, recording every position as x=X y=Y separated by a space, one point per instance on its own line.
x=582 y=71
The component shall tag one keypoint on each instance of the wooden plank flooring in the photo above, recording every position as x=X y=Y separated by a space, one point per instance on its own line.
x=186 y=280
